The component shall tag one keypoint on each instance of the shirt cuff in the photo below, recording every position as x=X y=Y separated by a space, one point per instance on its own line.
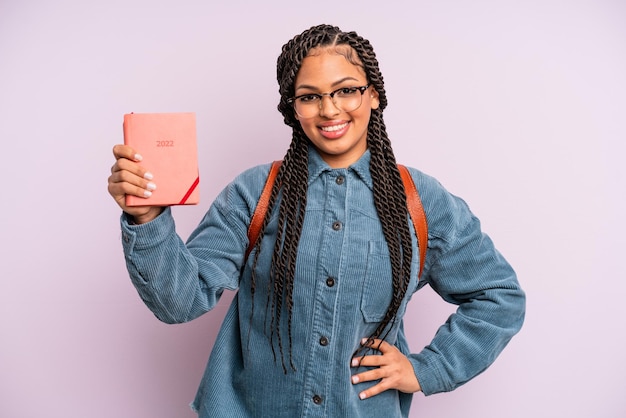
x=428 y=374
x=136 y=237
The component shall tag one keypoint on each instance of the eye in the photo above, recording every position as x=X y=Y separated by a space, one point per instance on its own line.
x=347 y=91
x=307 y=98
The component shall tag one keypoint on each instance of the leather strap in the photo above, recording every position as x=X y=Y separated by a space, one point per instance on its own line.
x=413 y=202
x=418 y=215
x=261 y=208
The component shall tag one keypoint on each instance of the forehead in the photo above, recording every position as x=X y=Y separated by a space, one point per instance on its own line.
x=324 y=66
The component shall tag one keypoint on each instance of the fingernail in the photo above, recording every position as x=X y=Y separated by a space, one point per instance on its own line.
x=151 y=186
x=147 y=193
x=364 y=341
x=362 y=395
x=148 y=176
x=355 y=380
x=355 y=362
x=138 y=157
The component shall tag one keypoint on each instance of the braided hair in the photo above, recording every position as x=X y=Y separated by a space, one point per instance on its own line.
x=292 y=178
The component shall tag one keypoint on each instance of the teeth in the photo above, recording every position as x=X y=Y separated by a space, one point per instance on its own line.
x=334 y=127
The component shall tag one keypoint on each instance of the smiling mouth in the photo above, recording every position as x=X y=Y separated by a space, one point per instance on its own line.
x=334 y=128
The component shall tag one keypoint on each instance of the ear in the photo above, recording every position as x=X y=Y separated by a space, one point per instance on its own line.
x=374 y=100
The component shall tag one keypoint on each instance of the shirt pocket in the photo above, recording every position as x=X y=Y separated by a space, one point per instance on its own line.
x=377 y=285
x=377 y=290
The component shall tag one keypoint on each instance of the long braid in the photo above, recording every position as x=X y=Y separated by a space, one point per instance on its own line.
x=390 y=202
x=292 y=180
x=290 y=220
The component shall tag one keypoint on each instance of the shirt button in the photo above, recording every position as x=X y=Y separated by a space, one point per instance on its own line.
x=324 y=341
x=317 y=399
x=340 y=179
x=336 y=225
x=330 y=282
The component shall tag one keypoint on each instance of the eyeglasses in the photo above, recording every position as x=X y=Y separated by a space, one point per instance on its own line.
x=346 y=99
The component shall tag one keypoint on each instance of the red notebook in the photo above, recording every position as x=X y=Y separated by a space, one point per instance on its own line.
x=167 y=143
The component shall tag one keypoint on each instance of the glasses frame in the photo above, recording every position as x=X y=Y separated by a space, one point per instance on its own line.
x=361 y=89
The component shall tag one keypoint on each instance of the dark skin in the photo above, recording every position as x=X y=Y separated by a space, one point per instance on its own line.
x=394 y=370
x=130 y=177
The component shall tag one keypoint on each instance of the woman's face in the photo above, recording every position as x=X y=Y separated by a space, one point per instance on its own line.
x=340 y=137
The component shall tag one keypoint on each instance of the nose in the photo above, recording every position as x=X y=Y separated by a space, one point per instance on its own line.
x=328 y=108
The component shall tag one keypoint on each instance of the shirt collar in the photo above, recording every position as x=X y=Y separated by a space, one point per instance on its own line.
x=361 y=167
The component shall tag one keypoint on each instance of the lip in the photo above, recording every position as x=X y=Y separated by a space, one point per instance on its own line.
x=333 y=130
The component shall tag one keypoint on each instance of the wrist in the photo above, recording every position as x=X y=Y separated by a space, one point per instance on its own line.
x=144 y=218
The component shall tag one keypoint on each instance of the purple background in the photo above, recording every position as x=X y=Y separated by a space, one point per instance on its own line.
x=518 y=107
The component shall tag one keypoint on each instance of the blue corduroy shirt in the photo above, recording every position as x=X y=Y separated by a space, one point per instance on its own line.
x=341 y=292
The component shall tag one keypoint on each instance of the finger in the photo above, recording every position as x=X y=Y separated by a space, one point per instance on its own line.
x=368 y=361
x=377 y=344
x=124 y=182
x=368 y=376
x=125 y=151
x=133 y=167
x=386 y=350
x=402 y=379
x=374 y=390
x=119 y=191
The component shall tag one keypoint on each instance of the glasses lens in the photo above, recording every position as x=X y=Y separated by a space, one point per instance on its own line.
x=348 y=99
x=307 y=106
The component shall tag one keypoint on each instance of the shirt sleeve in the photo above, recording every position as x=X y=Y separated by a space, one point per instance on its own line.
x=464 y=268
x=180 y=281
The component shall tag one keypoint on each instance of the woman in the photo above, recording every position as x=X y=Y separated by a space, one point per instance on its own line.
x=316 y=327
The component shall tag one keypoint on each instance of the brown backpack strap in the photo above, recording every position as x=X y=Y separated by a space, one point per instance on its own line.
x=418 y=215
x=261 y=208
x=413 y=202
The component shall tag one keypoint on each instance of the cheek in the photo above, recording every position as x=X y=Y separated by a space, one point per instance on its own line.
x=307 y=126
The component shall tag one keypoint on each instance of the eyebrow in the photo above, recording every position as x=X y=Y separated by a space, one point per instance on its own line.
x=335 y=84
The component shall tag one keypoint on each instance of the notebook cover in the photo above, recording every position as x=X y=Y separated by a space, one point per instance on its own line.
x=167 y=143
